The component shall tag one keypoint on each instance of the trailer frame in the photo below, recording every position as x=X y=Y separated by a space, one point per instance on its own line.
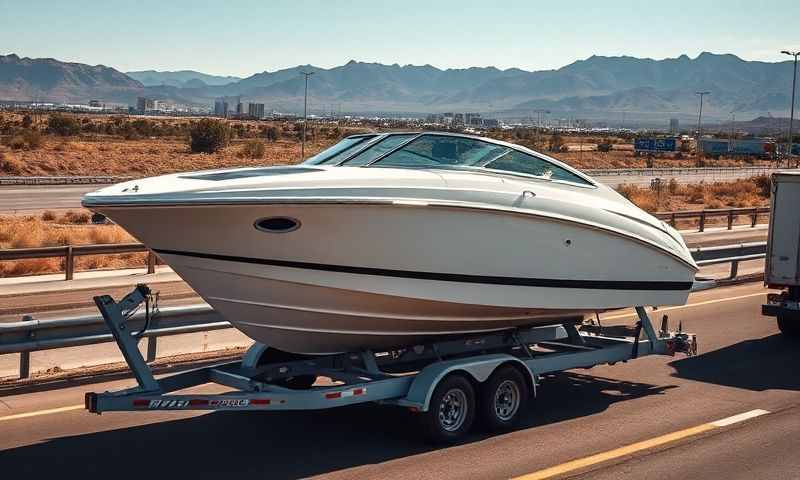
x=406 y=377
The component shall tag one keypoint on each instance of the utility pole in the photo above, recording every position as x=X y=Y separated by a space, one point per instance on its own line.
x=305 y=115
x=731 y=143
x=700 y=122
x=791 y=115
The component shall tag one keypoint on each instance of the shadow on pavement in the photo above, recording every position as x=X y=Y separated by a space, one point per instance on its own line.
x=287 y=444
x=760 y=364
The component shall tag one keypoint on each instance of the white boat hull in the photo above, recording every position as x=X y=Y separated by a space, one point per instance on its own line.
x=381 y=275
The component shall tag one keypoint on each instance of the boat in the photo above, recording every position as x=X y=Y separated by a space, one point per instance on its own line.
x=393 y=239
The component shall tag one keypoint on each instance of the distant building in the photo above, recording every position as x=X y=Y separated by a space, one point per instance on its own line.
x=220 y=108
x=674 y=126
x=255 y=110
x=96 y=103
x=458 y=119
x=240 y=108
x=144 y=104
x=473 y=119
x=491 y=123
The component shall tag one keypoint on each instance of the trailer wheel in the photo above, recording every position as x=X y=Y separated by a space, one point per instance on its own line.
x=503 y=396
x=788 y=326
x=451 y=411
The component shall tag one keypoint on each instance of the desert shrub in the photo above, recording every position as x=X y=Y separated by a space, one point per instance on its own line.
x=763 y=185
x=17 y=142
x=27 y=121
x=604 y=147
x=208 y=136
x=75 y=217
x=673 y=186
x=272 y=133
x=254 y=149
x=10 y=165
x=48 y=215
x=32 y=138
x=556 y=142
x=63 y=125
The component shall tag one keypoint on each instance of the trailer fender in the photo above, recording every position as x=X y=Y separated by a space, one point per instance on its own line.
x=479 y=368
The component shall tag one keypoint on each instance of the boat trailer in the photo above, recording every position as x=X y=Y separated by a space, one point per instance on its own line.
x=449 y=382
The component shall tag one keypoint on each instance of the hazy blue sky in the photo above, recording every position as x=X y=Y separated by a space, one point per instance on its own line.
x=245 y=37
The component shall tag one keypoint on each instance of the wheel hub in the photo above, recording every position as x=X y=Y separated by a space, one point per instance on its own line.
x=506 y=400
x=453 y=410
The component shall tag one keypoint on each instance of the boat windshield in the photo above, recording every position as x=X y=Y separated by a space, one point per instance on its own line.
x=442 y=151
x=339 y=151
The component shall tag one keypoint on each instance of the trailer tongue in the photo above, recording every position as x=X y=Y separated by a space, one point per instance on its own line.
x=448 y=382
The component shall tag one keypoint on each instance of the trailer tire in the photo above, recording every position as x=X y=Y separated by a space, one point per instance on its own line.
x=789 y=326
x=451 y=411
x=503 y=397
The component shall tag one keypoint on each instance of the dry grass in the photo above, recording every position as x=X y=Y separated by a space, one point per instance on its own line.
x=751 y=192
x=140 y=158
x=30 y=231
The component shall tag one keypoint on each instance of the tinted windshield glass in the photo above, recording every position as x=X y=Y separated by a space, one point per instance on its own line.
x=518 y=162
x=335 y=153
x=378 y=149
x=435 y=150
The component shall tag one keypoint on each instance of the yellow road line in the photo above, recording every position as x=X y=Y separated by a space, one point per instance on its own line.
x=638 y=447
x=689 y=305
x=41 y=412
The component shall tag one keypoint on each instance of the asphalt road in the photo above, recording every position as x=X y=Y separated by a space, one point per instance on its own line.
x=744 y=364
x=32 y=199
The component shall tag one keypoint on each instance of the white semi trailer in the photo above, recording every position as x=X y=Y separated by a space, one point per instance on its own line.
x=783 y=253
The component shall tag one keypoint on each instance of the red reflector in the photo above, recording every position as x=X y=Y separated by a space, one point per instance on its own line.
x=198 y=401
x=358 y=391
x=333 y=395
x=141 y=402
x=261 y=401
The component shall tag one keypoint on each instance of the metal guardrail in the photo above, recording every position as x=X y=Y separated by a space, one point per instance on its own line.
x=733 y=254
x=703 y=215
x=30 y=335
x=72 y=180
x=71 y=251
x=672 y=171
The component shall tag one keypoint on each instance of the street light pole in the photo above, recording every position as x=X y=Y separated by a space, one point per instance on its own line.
x=305 y=115
x=791 y=115
x=700 y=122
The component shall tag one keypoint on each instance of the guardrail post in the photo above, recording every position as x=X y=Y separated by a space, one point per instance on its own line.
x=730 y=219
x=151 y=262
x=734 y=269
x=755 y=217
x=70 y=263
x=702 y=220
x=24 y=365
x=25 y=357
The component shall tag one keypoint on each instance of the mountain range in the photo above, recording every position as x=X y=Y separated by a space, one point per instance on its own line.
x=180 y=78
x=598 y=87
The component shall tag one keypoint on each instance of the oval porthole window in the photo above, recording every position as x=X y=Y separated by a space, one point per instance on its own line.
x=277 y=224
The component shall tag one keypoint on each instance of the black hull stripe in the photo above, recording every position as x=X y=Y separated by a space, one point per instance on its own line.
x=446 y=277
